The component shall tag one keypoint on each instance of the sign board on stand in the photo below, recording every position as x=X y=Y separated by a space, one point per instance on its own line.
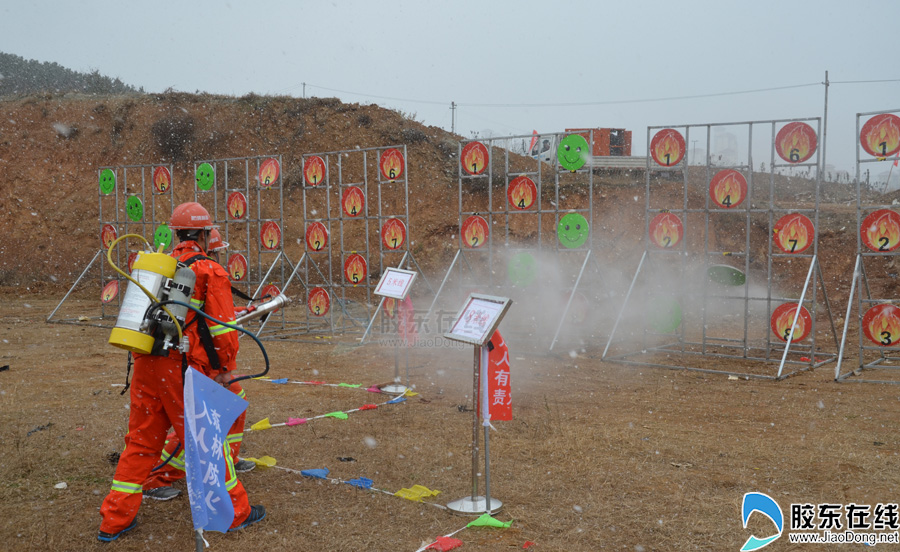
x=475 y=324
x=395 y=283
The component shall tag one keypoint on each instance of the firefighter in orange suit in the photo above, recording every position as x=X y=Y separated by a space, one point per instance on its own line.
x=157 y=395
x=158 y=485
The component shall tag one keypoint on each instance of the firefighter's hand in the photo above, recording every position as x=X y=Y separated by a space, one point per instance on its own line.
x=223 y=378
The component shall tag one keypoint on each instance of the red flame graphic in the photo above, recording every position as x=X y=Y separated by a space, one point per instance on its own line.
x=355 y=269
x=522 y=193
x=237 y=267
x=237 y=205
x=268 y=172
x=109 y=292
x=880 y=136
x=474 y=158
x=666 y=230
x=783 y=317
x=728 y=188
x=318 y=301
x=393 y=234
x=270 y=235
x=314 y=170
x=353 y=202
x=881 y=230
x=881 y=324
x=667 y=147
x=391 y=164
x=161 y=179
x=475 y=231
x=316 y=236
x=794 y=233
x=108 y=235
x=795 y=142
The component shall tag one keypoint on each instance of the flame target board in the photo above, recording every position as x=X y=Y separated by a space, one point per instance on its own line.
x=474 y=232
x=390 y=307
x=666 y=230
x=268 y=173
x=391 y=164
x=316 y=236
x=108 y=235
x=794 y=233
x=318 y=301
x=796 y=142
x=393 y=234
x=131 y=258
x=881 y=325
x=522 y=193
x=270 y=235
x=355 y=269
x=667 y=147
x=783 y=317
x=880 y=135
x=474 y=158
x=880 y=230
x=110 y=291
x=162 y=179
x=237 y=267
x=728 y=188
x=236 y=205
x=313 y=170
x=353 y=201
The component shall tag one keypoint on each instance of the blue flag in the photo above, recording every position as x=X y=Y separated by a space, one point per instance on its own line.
x=209 y=412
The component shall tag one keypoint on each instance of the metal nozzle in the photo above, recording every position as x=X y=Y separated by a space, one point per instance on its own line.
x=280 y=300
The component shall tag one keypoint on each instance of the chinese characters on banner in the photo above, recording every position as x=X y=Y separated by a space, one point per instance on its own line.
x=498 y=398
x=209 y=411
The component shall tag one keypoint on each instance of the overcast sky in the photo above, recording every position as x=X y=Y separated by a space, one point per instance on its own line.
x=510 y=65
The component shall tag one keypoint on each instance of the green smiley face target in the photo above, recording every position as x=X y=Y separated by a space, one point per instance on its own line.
x=107 y=181
x=162 y=236
x=205 y=176
x=135 y=208
x=522 y=269
x=573 y=230
x=573 y=152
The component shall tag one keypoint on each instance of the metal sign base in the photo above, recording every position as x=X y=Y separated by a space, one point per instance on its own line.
x=475 y=505
x=395 y=388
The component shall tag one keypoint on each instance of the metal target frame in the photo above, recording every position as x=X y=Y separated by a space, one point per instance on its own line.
x=870 y=357
x=799 y=356
x=350 y=302
x=535 y=170
x=126 y=185
x=265 y=266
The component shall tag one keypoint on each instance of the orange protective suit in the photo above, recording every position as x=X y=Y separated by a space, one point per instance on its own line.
x=157 y=399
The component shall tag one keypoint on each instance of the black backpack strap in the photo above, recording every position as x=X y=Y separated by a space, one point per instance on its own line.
x=202 y=326
x=235 y=291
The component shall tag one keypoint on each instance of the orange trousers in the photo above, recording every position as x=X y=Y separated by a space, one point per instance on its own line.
x=173 y=470
x=157 y=403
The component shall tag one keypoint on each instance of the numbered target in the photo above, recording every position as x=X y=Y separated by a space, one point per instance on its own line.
x=794 y=233
x=353 y=202
x=880 y=230
x=109 y=292
x=107 y=181
x=474 y=158
x=268 y=173
x=667 y=147
x=474 y=232
x=796 y=142
x=236 y=205
x=522 y=193
x=108 y=235
x=270 y=235
x=666 y=230
x=393 y=234
x=131 y=258
x=205 y=176
x=880 y=136
x=390 y=307
x=881 y=325
x=728 y=188
x=783 y=317
x=313 y=170
x=391 y=164
x=237 y=267
x=162 y=179
x=316 y=236
x=268 y=293
x=355 y=269
x=318 y=301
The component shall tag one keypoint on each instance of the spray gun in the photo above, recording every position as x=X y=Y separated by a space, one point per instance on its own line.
x=256 y=311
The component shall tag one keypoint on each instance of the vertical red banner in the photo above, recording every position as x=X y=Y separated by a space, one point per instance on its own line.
x=499 y=388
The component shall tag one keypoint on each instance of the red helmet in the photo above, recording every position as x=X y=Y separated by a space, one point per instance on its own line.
x=191 y=216
x=215 y=243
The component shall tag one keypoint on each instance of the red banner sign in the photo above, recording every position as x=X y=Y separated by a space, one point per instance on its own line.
x=499 y=389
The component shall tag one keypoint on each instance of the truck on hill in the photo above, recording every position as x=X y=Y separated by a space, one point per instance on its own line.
x=610 y=148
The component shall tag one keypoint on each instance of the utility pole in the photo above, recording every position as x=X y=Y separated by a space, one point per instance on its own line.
x=453 y=117
x=825 y=124
x=304 y=90
x=694 y=151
